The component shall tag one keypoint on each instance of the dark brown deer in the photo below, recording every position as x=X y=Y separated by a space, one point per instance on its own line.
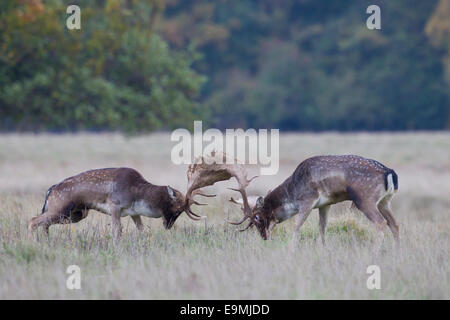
x=117 y=192
x=321 y=181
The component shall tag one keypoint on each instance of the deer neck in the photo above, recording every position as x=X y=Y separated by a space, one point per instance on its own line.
x=273 y=201
x=148 y=201
x=152 y=194
x=280 y=203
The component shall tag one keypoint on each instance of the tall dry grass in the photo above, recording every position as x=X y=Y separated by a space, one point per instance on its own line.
x=211 y=260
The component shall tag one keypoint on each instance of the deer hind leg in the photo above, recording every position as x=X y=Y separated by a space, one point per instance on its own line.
x=46 y=220
x=385 y=208
x=323 y=218
x=77 y=215
x=138 y=222
x=73 y=213
x=370 y=210
x=53 y=216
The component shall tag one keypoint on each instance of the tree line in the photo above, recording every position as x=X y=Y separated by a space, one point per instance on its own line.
x=138 y=66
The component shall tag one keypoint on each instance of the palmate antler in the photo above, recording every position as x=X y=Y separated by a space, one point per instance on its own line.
x=208 y=170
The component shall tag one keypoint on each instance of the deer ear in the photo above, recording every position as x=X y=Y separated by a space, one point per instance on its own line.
x=171 y=193
x=259 y=202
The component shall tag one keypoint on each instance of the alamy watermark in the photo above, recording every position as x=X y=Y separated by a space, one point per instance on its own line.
x=374 y=20
x=73 y=22
x=248 y=147
x=74 y=279
x=374 y=280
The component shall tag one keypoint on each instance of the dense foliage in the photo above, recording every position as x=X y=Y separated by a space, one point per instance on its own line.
x=289 y=64
x=114 y=73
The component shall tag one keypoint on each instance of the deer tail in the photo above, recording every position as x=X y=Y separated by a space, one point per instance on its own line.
x=390 y=180
x=44 y=208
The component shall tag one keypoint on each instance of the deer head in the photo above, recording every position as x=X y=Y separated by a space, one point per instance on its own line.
x=263 y=217
x=174 y=206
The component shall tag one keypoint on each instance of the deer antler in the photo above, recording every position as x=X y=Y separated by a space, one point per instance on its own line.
x=241 y=176
x=208 y=170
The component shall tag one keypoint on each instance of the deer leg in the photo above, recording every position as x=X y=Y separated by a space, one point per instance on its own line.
x=299 y=220
x=323 y=217
x=77 y=215
x=385 y=209
x=138 y=222
x=46 y=220
x=370 y=210
x=33 y=224
x=116 y=226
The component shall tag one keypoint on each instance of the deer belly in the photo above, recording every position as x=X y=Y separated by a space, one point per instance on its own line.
x=323 y=200
x=141 y=208
x=102 y=207
x=327 y=199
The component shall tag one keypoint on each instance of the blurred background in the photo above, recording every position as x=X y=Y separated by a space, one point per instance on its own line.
x=296 y=65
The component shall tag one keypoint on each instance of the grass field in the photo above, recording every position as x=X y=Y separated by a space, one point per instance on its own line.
x=210 y=259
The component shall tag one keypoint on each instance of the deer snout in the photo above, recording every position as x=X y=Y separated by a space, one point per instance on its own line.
x=169 y=222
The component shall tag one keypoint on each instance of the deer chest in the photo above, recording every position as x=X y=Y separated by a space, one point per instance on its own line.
x=141 y=207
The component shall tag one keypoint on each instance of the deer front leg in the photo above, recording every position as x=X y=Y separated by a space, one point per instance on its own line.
x=299 y=220
x=116 y=226
x=138 y=222
x=323 y=218
x=272 y=226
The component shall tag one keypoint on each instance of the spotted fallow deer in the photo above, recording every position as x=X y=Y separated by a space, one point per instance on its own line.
x=117 y=192
x=321 y=181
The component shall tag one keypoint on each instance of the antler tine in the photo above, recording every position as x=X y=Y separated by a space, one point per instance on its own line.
x=190 y=201
x=206 y=195
x=247 y=208
x=197 y=192
x=211 y=169
x=203 y=173
x=241 y=178
x=193 y=215
x=199 y=204
x=248 y=226
x=234 y=201
x=237 y=222
x=189 y=212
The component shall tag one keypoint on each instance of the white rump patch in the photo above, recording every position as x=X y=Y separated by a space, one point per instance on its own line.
x=390 y=183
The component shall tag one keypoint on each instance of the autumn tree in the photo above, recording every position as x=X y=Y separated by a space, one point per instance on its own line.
x=115 y=73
